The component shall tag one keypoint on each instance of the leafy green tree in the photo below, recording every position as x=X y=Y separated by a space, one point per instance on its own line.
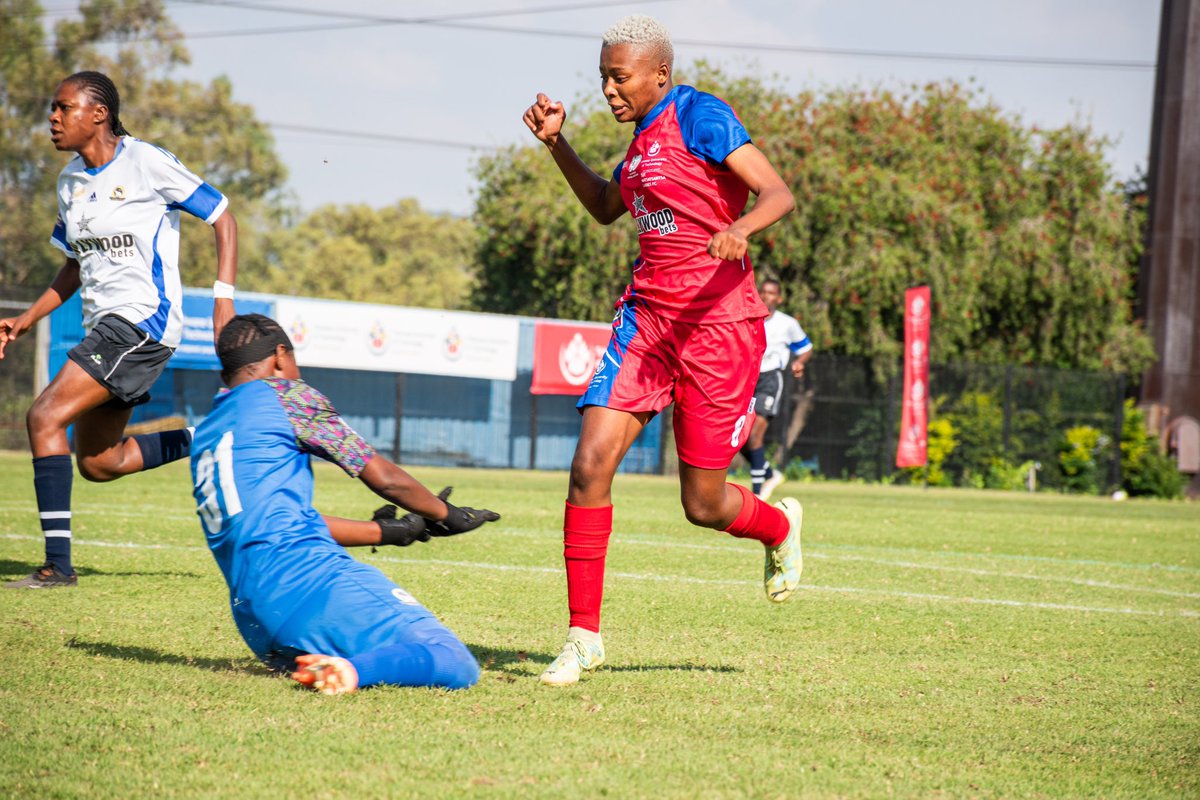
x=1028 y=245
x=217 y=137
x=399 y=254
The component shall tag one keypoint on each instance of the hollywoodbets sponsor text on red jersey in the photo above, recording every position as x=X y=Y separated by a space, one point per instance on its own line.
x=679 y=192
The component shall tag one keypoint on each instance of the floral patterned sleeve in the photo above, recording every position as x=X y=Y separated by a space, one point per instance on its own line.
x=319 y=428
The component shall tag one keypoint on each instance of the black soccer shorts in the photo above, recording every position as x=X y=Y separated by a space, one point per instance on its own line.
x=123 y=359
x=768 y=393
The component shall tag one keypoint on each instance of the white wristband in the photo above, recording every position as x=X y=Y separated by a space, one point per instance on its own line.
x=222 y=290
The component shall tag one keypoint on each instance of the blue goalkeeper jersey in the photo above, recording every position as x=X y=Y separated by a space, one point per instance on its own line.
x=253 y=486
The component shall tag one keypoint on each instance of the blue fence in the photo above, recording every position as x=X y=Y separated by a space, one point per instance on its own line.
x=416 y=419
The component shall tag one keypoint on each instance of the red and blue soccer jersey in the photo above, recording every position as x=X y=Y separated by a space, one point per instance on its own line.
x=675 y=185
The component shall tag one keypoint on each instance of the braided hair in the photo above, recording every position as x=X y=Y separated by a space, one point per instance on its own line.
x=102 y=91
x=248 y=339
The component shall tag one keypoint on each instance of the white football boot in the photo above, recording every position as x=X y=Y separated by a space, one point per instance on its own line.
x=783 y=565
x=584 y=651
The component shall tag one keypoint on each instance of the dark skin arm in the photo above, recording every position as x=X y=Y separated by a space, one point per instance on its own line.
x=774 y=202
x=225 y=232
x=799 y=361
x=65 y=284
x=395 y=485
x=354 y=532
x=600 y=196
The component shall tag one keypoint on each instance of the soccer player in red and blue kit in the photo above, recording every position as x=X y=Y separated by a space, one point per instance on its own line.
x=688 y=329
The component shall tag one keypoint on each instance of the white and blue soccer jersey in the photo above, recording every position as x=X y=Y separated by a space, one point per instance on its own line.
x=784 y=338
x=253 y=487
x=120 y=221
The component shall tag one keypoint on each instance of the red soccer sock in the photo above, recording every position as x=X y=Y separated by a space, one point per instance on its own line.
x=585 y=544
x=758 y=521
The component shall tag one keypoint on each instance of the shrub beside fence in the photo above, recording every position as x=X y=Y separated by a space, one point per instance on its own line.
x=989 y=425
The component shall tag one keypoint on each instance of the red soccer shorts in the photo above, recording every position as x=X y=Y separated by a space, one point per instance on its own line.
x=708 y=370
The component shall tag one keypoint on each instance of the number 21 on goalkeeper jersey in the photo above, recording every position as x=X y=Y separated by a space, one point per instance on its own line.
x=216 y=488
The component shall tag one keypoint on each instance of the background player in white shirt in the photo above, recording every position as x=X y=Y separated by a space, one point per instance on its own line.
x=118 y=224
x=785 y=338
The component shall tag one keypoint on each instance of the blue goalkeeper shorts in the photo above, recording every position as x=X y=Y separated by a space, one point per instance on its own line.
x=358 y=610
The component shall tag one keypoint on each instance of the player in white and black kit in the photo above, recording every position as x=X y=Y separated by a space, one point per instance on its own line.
x=785 y=339
x=118 y=224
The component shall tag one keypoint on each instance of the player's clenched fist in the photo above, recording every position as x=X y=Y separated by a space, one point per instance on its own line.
x=545 y=118
x=728 y=245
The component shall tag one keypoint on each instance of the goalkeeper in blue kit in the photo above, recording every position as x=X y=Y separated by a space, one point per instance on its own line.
x=298 y=599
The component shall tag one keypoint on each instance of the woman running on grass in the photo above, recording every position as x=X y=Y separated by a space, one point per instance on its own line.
x=688 y=329
x=118 y=224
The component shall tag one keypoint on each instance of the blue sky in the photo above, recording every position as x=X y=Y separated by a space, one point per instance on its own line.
x=470 y=87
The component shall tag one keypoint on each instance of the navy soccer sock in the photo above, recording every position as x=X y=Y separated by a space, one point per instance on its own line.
x=52 y=476
x=757 y=456
x=434 y=664
x=163 y=448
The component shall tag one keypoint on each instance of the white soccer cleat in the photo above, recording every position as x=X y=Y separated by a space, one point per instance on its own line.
x=584 y=651
x=770 y=484
x=783 y=564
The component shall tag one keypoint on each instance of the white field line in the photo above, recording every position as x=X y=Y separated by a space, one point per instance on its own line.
x=808 y=553
x=115 y=510
x=683 y=579
x=661 y=543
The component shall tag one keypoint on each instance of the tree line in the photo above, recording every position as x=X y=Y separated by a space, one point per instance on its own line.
x=1027 y=241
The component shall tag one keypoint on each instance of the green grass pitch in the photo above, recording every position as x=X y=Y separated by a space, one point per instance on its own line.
x=945 y=644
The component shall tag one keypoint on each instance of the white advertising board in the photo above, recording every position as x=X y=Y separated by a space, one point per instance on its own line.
x=344 y=335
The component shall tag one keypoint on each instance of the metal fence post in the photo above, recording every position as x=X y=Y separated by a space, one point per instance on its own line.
x=398 y=407
x=1114 y=471
x=1008 y=375
x=533 y=430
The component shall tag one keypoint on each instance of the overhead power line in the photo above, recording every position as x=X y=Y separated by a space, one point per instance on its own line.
x=1038 y=61
x=358 y=20
x=410 y=20
x=461 y=21
x=380 y=137
x=376 y=20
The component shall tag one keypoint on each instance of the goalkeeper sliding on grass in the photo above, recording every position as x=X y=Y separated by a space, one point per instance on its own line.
x=299 y=600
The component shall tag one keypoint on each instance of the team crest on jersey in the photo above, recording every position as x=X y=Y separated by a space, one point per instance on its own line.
x=654 y=148
x=633 y=164
x=118 y=193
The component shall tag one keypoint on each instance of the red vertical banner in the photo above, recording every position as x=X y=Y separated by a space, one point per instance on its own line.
x=914 y=412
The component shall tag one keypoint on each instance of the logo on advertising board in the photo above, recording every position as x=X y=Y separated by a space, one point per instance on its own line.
x=298 y=330
x=377 y=339
x=566 y=356
x=577 y=361
x=452 y=346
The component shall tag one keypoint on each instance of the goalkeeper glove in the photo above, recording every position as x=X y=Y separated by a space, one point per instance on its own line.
x=458 y=520
x=401 y=532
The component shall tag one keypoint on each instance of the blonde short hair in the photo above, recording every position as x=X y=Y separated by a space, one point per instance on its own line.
x=642 y=31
